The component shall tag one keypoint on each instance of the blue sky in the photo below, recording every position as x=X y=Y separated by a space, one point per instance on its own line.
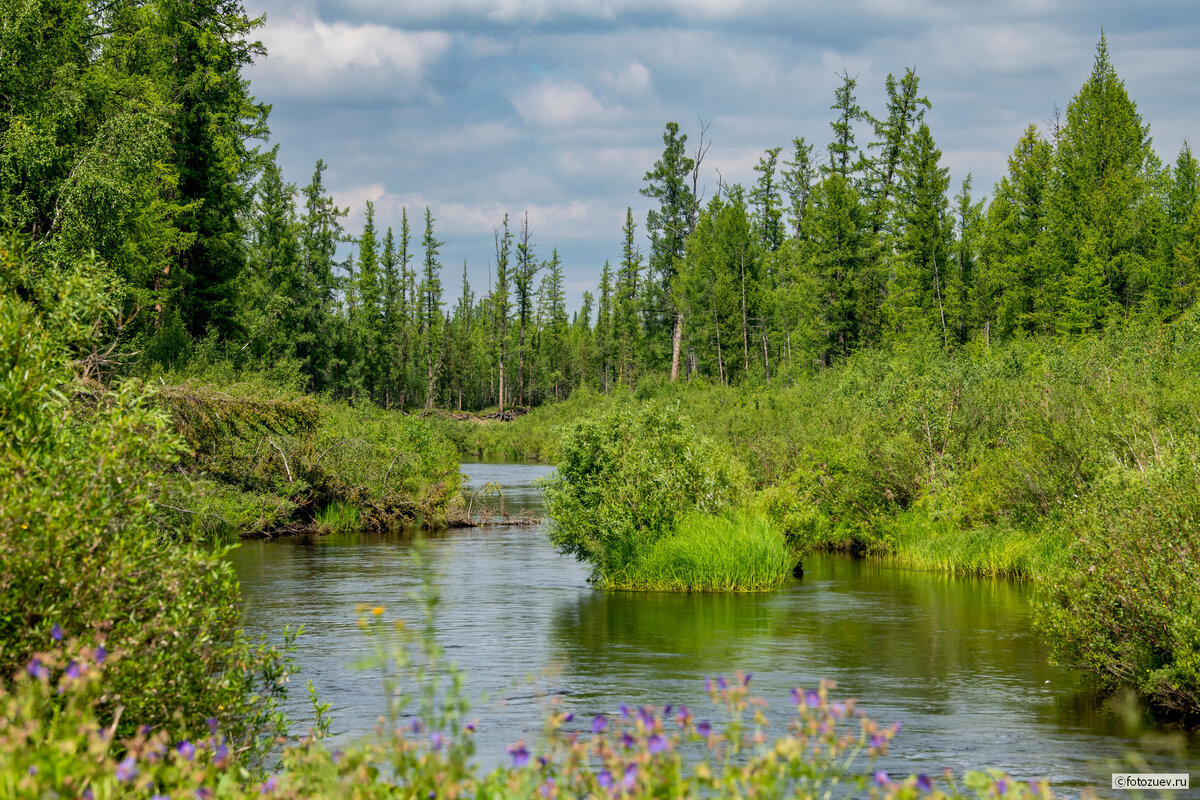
x=481 y=107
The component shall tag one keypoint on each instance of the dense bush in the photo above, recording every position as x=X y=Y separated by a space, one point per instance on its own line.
x=623 y=480
x=1124 y=604
x=80 y=468
x=263 y=459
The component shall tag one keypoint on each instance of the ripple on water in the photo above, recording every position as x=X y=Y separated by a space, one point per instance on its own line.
x=955 y=659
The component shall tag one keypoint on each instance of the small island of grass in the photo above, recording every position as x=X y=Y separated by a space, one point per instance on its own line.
x=652 y=505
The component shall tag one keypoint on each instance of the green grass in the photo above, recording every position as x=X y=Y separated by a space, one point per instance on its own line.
x=712 y=554
x=920 y=543
x=340 y=517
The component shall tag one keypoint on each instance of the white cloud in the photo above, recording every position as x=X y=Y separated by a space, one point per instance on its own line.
x=631 y=79
x=307 y=56
x=559 y=103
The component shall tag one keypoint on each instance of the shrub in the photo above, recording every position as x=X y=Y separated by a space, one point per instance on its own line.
x=625 y=478
x=704 y=553
x=80 y=467
x=266 y=459
x=1125 y=604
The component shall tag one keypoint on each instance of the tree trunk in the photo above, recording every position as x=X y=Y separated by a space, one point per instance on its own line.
x=676 y=340
x=766 y=358
x=501 y=394
x=717 y=325
x=521 y=366
x=937 y=287
x=745 y=332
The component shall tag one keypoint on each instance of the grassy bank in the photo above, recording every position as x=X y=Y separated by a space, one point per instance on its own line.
x=262 y=460
x=1032 y=458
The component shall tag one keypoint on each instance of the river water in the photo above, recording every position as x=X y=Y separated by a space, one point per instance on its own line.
x=955 y=660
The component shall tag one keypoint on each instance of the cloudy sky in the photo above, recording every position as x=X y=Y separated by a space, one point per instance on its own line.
x=476 y=108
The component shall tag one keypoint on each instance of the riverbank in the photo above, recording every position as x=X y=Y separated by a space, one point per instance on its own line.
x=1013 y=459
x=264 y=461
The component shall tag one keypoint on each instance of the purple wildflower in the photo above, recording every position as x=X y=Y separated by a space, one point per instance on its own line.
x=33 y=769
x=1002 y=786
x=415 y=726
x=101 y=654
x=37 y=670
x=221 y=755
x=624 y=711
x=268 y=785
x=212 y=724
x=797 y=697
x=88 y=794
x=631 y=770
x=646 y=716
x=627 y=741
x=520 y=755
x=667 y=710
x=877 y=741
x=599 y=723
x=470 y=727
x=708 y=685
x=159 y=797
x=882 y=779
x=203 y=793
x=683 y=715
x=186 y=749
x=838 y=709
x=569 y=716
x=605 y=779
x=547 y=788
x=704 y=729
x=746 y=678
x=437 y=740
x=127 y=770
x=924 y=783
x=56 y=633
x=812 y=698
x=72 y=670
x=722 y=684
x=656 y=744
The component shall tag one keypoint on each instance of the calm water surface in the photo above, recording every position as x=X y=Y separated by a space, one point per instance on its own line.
x=955 y=660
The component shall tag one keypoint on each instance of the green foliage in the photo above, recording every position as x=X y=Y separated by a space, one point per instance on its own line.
x=80 y=471
x=1123 y=604
x=268 y=460
x=743 y=553
x=624 y=479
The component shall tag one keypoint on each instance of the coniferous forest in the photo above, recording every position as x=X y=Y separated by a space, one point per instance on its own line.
x=850 y=354
x=850 y=238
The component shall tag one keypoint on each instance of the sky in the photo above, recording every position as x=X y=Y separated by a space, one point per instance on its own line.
x=478 y=108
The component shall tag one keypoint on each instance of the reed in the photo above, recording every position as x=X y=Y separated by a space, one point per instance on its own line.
x=743 y=553
x=994 y=551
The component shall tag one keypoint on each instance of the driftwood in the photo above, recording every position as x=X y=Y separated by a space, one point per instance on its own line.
x=507 y=415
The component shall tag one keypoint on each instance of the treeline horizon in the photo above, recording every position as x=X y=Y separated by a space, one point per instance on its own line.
x=141 y=167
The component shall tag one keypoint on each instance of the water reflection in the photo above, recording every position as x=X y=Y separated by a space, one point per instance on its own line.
x=955 y=660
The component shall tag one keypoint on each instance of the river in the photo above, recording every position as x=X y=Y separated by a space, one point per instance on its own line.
x=955 y=660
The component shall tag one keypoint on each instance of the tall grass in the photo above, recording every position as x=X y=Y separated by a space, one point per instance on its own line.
x=917 y=542
x=711 y=554
x=339 y=517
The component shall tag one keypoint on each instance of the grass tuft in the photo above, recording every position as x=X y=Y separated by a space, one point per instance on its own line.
x=712 y=554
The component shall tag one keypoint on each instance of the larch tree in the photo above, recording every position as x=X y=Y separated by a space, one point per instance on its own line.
x=669 y=225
